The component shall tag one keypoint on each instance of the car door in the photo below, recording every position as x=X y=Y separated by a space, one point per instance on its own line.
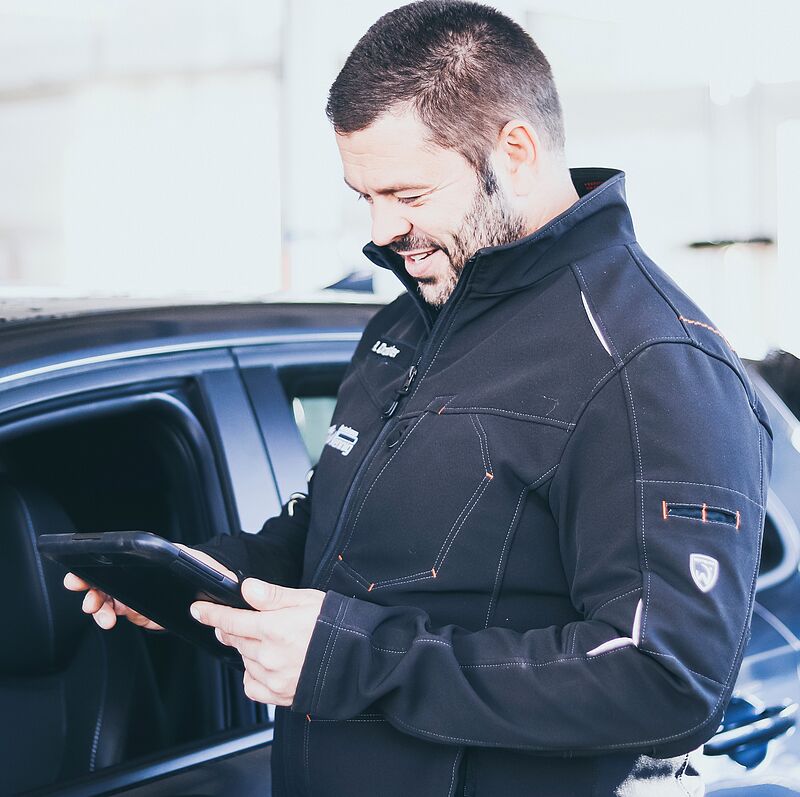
x=199 y=399
x=291 y=391
x=292 y=388
x=756 y=750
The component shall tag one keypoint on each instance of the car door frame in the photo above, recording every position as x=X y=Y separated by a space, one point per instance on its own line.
x=89 y=389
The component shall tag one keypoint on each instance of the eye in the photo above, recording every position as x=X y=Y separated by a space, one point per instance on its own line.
x=408 y=200
x=366 y=197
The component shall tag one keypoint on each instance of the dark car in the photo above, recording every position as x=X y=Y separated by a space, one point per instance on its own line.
x=191 y=421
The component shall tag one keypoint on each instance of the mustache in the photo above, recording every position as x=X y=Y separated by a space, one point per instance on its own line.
x=413 y=243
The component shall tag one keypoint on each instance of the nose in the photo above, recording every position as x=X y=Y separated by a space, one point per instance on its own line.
x=388 y=222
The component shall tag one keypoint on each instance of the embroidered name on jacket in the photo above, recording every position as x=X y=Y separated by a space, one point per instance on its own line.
x=342 y=439
x=379 y=347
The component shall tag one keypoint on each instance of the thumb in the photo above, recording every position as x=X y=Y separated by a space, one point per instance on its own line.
x=262 y=595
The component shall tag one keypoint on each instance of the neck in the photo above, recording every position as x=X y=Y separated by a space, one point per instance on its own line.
x=556 y=194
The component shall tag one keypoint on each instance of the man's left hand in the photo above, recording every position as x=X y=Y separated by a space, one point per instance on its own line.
x=272 y=640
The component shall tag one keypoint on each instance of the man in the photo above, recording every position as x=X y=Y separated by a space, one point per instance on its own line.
x=528 y=561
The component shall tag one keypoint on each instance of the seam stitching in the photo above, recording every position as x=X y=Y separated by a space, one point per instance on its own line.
x=453 y=534
x=611 y=600
x=646 y=593
x=406 y=436
x=701 y=484
x=675 y=658
x=587 y=293
x=330 y=657
x=504 y=551
x=515 y=414
x=314 y=700
x=459 y=753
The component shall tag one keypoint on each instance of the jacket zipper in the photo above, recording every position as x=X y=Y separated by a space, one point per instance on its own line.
x=327 y=558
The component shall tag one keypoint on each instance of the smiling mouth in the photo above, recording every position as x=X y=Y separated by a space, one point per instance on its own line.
x=418 y=256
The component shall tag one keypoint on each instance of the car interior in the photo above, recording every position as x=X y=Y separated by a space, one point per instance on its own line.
x=82 y=698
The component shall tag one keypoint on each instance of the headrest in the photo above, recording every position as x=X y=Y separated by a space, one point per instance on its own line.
x=42 y=620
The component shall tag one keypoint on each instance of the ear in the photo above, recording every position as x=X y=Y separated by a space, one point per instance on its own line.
x=518 y=151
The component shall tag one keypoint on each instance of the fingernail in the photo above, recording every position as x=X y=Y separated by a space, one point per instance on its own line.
x=194 y=611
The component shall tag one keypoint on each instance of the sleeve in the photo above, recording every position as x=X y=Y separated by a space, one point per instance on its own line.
x=659 y=502
x=275 y=553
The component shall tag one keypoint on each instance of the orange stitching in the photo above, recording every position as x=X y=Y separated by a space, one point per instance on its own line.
x=433 y=572
x=708 y=327
x=341 y=558
x=371 y=586
x=441 y=410
x=704 y=513
x=738 y=519
x=308 y=717
x=664 y=509
x=489 y=476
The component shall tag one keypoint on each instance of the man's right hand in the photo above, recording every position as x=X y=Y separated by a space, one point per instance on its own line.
x=105 y=609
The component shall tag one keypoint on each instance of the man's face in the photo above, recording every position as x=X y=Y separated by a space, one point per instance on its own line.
x=427 y=203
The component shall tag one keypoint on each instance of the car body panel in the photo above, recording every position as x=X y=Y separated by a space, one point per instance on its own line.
x=231 y=359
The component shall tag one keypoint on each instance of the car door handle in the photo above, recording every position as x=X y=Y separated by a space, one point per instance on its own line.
x=745 y=739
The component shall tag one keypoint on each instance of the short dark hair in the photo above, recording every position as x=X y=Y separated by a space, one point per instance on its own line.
x=465 y=69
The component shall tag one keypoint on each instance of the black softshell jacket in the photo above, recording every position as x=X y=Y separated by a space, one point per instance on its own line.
x=538 y=520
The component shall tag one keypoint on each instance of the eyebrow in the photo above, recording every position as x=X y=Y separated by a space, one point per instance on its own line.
x=394 y=189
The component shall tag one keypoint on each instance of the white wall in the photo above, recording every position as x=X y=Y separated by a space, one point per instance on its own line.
x=182 y=145
x=139 y=146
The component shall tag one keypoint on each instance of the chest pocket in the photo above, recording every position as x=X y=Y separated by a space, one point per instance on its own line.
x=383 y=370
x=420 y=503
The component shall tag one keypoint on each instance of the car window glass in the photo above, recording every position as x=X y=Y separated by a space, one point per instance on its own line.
x=313 y=417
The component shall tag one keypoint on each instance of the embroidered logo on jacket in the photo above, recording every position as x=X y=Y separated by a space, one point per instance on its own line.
x=379 y=347
x=342 y=439
x=704 y=570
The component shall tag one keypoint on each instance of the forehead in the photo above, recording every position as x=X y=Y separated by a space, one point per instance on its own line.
x=394 y=151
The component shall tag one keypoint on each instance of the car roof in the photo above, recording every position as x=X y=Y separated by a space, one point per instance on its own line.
x=51 y=330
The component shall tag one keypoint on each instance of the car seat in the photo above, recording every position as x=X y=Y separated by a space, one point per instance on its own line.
x=73 y=698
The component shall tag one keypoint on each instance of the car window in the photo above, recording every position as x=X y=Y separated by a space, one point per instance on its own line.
x=312 y=414
x=311 y=389
x=780 y=549
x=130 y=462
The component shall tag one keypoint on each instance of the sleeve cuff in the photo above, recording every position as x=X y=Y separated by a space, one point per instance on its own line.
x=229 y=550
x=314 y=673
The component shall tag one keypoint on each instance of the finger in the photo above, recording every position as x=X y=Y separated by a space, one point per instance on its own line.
x=249 y=648
x=257 y=670
x=265 y=596
x=274 y=688
x=93 y=601
x=74 y=583
x=136 y=618
x=208 y=560
x=256 y=690
x=105 y=616
x=240 y=622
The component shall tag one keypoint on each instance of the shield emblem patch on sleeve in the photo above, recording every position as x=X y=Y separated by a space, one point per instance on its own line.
x=704 y=570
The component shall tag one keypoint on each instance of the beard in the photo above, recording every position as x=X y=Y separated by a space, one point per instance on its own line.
x=490 y=221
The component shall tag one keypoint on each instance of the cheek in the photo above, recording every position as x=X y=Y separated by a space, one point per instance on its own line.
x=434 y=226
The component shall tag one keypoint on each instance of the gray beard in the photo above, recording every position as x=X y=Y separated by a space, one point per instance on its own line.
x=489 y=222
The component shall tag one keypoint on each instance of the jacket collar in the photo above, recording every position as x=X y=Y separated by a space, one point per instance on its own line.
x=600 y=218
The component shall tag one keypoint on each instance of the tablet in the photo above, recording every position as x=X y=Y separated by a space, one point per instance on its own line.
x=152 y=576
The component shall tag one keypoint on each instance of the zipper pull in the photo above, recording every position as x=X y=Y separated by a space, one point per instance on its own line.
x=406 y=386
x=412 y=372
